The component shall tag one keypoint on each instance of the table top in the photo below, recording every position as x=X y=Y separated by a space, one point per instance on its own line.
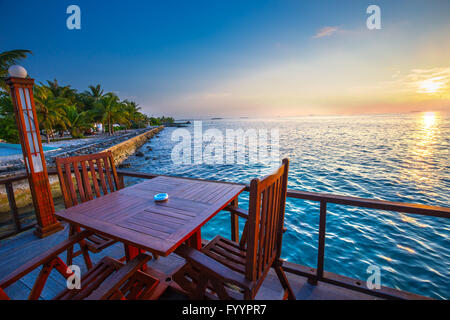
x=130 y=215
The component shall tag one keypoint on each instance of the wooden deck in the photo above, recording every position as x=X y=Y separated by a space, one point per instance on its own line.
x=16 y=250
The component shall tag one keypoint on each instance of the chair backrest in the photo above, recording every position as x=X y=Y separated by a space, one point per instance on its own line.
x=265 y=222
x=95 y=175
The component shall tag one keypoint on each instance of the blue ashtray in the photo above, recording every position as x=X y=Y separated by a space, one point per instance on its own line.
x=161 y=197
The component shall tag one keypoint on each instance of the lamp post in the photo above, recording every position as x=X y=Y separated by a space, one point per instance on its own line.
x=30 y=139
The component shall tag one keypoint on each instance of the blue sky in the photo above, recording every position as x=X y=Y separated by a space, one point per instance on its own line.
x=241 y=58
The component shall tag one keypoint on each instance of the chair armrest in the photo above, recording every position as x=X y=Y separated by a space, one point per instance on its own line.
x=108 y=287
x=238 y=211
x=43 y=258
x=213 y=267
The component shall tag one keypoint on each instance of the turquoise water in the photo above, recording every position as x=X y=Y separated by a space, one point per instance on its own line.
x=9 y=149
x=393 y=157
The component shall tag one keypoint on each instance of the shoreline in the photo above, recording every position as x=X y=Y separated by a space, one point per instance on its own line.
x=121 y=147
x=11 y=166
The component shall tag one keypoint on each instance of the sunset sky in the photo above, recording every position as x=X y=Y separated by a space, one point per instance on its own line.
x=242 y=58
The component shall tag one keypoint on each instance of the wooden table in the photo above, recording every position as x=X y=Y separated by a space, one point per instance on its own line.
x=131 y=216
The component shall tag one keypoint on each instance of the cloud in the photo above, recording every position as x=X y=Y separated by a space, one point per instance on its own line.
x=421 y=74
x=432 y=81
x=326 y=31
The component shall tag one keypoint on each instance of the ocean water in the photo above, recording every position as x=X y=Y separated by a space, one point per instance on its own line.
x=403 y=157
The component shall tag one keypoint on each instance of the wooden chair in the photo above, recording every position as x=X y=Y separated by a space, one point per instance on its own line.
x=109 y=279
x=226 y=269
x=95 y=175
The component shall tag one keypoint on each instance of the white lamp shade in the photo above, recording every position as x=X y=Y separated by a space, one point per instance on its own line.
x=17 y=71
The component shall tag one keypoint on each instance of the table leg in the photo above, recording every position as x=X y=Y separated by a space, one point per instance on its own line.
x=195 y=241
x=132 y=252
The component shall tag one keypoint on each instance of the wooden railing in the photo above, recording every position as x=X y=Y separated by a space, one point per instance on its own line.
x=313 y=274
x=18 y=226
x=317 y=274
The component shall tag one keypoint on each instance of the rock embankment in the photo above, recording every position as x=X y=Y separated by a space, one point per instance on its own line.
x=124 y=149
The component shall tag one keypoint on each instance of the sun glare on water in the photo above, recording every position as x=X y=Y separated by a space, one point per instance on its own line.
x=429 y=118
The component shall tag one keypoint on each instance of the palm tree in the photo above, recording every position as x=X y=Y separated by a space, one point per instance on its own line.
x=96 y=92
x=61 y=91
x=7 y=59
x=109 y=109
x=86 y=100
x=8 y=127
x=135 y=115
x=77 y=122
x=62 y=108
x=50 y=110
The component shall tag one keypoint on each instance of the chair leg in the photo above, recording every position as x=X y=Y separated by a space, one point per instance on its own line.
x=41 y=279
x=199 y=293
x=284 y=281
x=69 y=256
x=85 y=252
x=69 y=259
x=219 y=288
x=249 y=295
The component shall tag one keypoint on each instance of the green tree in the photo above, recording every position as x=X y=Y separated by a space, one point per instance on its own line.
x=77 y=122
x=86 y=100
x=8 y=127
x=95 y=92
x=60 y=108
x=50 y=110
x=59 y=91
x=7 y=59
x=137 y=119
x=155 y=121
x=167 y=120
x=109 y=110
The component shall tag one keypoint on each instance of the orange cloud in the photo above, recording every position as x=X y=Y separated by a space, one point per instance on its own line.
x=326 y=31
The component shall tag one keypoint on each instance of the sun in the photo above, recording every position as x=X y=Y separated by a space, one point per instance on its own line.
x=432 y=85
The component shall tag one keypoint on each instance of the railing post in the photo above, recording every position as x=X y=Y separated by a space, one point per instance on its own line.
x=13 y=206
x=234 y=222
x=121 y=180
x=321 y=247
